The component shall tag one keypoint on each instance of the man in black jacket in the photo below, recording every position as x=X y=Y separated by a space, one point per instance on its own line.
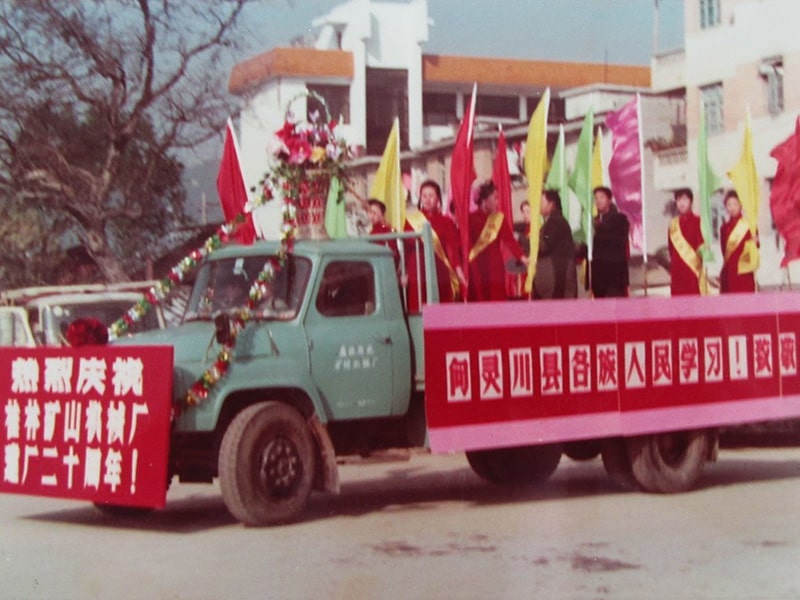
x=609 y=273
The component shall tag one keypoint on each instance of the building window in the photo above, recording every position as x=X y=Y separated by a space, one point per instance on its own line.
x=337 y=97
x=503 y=107
x=439 y=109
x=712 y=102
x=772 y=73
x=709 y=13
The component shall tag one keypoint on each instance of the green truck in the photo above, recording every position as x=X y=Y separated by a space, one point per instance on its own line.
x=329 y=364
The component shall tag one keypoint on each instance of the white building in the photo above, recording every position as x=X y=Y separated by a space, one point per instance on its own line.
x=368 y=62
x=739 y=55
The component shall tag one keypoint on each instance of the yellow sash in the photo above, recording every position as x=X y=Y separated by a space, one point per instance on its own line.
x=749 y=259
x=417 y=220
x=688 y=254
x=488 y=234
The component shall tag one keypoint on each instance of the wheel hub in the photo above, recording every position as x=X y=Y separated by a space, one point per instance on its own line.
x=280 y=467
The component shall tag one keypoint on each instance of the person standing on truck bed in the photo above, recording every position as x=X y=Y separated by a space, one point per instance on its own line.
x=739 y=259
x=686 y=269
x=609 y=271
x=380 y=226
x=556 y=275
x=446 y=246
x=488 y=231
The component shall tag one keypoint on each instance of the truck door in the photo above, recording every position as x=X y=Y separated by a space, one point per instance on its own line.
x=350 y=342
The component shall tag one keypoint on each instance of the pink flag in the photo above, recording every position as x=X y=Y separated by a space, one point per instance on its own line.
x=462 y=174
x=232 y=190
x=784 y=199
x=625 y=166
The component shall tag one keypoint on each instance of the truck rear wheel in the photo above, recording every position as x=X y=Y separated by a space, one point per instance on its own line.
x=266 y=464
x=523 y=465
x=669 y=462
x=582 y=450
x=617 y=464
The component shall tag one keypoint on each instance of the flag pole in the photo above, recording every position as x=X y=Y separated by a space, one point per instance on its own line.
x=642 y=184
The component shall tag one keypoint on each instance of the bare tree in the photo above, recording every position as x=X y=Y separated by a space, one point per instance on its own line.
x=120 y=66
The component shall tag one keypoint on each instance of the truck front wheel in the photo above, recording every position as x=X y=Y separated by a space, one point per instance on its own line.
x=266 y=464
x=523 y=465
x=669 y=462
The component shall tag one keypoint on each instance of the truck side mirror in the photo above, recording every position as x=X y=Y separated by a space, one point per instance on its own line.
x=222 y=329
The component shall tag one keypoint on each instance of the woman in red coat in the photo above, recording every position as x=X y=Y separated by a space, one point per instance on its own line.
x=489 y=232
x=739 y=260
x=687 y=272
x=446 y=245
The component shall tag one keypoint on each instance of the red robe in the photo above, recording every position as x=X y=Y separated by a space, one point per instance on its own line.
x=447 y=232
x=730 y=280
x=684 y=282
x=487 y=271
x=382 y=228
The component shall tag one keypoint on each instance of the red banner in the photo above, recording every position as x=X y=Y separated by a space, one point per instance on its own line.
x=527 y=373
x=87 y=423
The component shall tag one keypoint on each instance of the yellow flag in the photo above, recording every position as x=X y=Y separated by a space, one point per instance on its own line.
x=745 y=181
x=388 y=184
x=597 y=161
x=535 y=168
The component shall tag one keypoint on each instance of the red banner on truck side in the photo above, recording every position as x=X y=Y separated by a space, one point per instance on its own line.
x=88 y=423
x=520 y=373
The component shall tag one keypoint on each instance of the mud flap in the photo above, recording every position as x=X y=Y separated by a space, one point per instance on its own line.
x=327 y=476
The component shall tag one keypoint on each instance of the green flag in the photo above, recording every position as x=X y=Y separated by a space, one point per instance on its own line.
x=580 y=180
x=557 y=177
x=707 y=183
x=335 y=219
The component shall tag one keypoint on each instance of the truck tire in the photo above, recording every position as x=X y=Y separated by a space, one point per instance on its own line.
x=524 y=465
x=582 y=450
x=668 y=462
x=616 y=463
x=266 y=464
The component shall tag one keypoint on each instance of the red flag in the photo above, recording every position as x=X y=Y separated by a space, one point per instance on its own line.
x=232 y=190
x=502 y=179
x=784 y=199
x=462 y=174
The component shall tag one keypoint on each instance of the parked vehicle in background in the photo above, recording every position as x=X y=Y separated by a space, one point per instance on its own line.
x=15 y=329
x=44 y=313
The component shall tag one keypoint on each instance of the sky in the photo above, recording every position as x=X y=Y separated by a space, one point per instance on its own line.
x=617 y=31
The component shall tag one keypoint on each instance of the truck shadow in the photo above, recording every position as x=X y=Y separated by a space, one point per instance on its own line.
x=407 y=487
x=414 y=489
x=190 y=514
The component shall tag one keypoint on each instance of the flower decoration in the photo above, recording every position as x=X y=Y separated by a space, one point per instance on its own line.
x=87 y=331
x=303 y=148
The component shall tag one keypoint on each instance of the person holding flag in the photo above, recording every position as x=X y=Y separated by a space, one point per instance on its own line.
x=685 y=239
x=737 y=242
x=488 y=231
x=610 y=251
x=556 y=275
x=446 y=246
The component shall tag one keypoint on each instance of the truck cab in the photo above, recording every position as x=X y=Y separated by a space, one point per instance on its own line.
x=328 y=343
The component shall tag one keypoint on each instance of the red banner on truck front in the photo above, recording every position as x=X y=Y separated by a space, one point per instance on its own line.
x=87 y=423
x=520 y=373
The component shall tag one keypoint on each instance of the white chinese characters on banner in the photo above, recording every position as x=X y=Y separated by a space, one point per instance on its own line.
x=584 y=368
x=64 y=435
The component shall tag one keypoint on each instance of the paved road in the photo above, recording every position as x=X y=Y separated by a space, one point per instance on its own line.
x=426 y=527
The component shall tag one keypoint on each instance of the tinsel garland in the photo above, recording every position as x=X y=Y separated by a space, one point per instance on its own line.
x=201 y=388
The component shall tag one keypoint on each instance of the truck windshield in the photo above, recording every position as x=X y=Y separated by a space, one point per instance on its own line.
x=223 y=285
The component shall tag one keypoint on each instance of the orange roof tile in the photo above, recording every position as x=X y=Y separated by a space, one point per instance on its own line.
x=290 y=62
x=439 y=68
